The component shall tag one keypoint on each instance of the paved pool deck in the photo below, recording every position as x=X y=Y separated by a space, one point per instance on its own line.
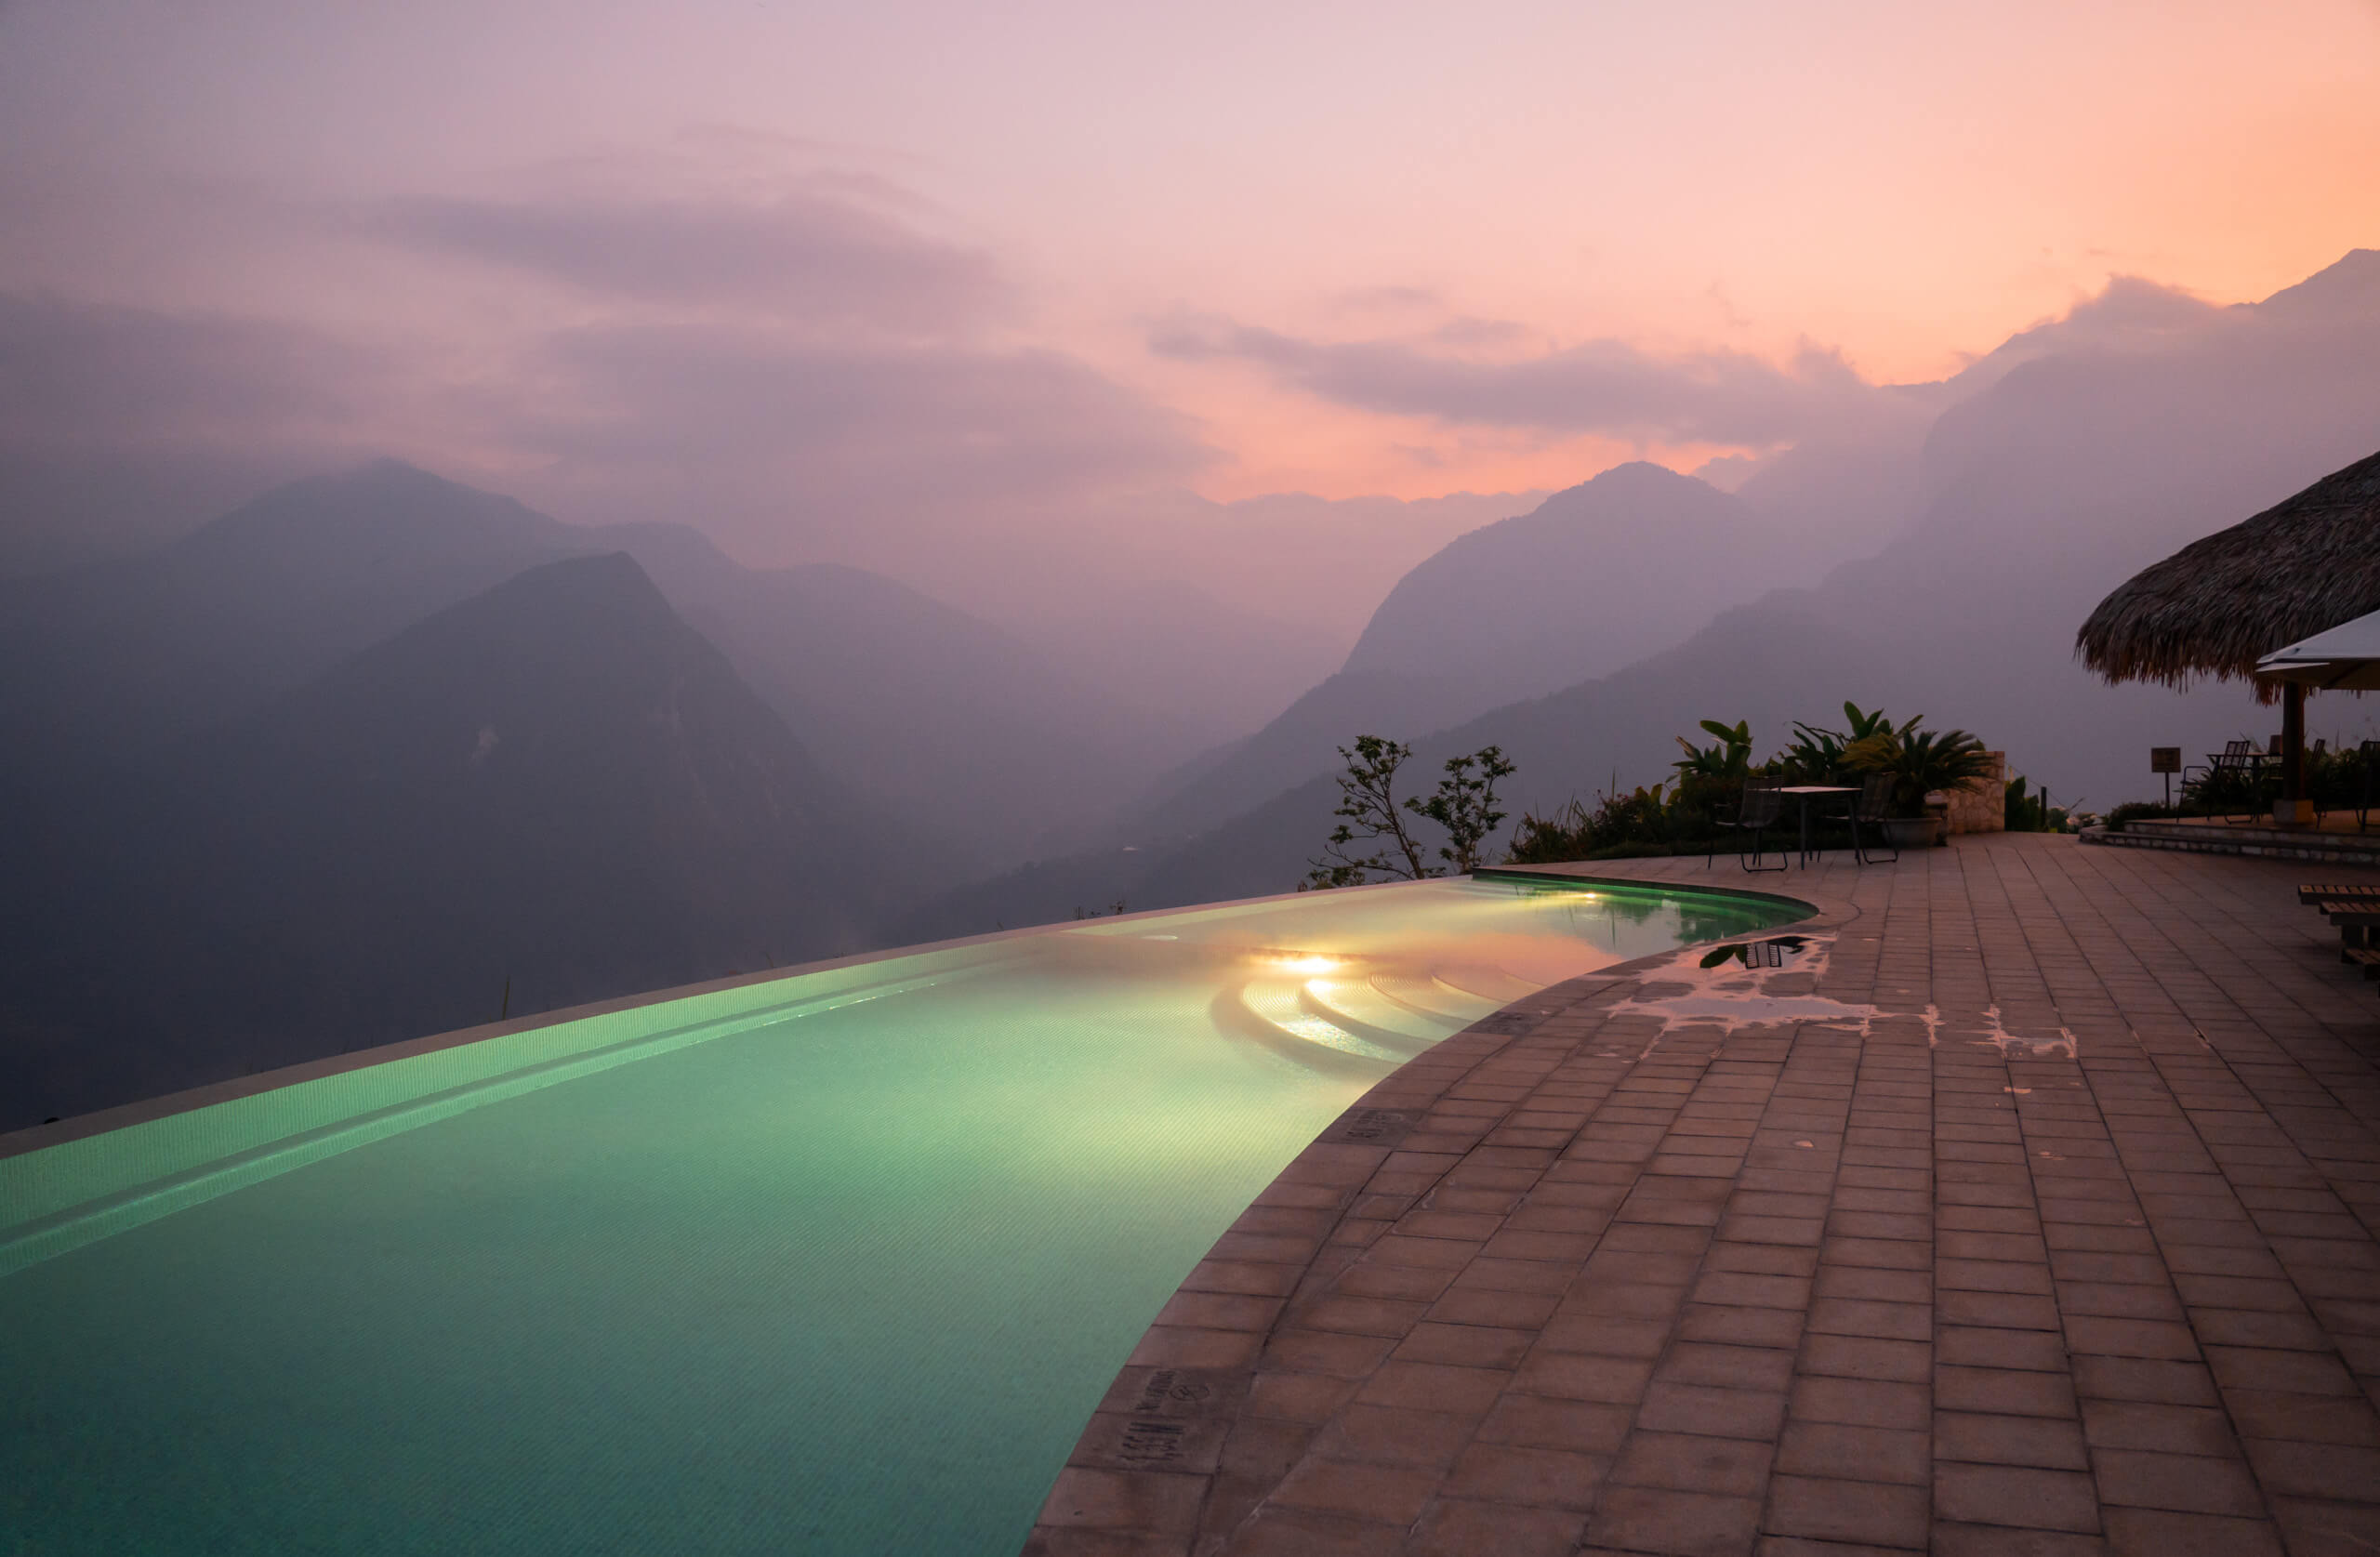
x=2029 y=1208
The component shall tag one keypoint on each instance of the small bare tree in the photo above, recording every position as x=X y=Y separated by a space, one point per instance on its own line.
x=1465 y=805
x=1368 y=810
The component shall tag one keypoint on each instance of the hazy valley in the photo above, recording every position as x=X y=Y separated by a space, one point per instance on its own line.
x=377 y=754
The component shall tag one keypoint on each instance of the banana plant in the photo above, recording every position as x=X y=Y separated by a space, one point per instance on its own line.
x=1729 y=757
x=1864 y=725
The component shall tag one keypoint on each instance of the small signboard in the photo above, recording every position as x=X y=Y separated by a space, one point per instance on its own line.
x=2165 y=759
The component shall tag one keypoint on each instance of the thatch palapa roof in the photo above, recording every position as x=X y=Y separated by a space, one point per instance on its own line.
x=2218 y=604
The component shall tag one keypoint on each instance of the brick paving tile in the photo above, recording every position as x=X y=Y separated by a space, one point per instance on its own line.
x=1433 y=1387
x=2186 y=1483
x=1683 y=1523
x=2145 y=1379
x=1672 y=1407
x=1691 y=1462
x=2011 y=1392
x=2184 y=1429
x=1591 y=1426
x=2316 y=1527
x=2155 y=1533
x=1740 y=1326
x=1464 y=1527
x=2023 y=1497
x=2302 y=1469
x=1393 y=1435
x=1537 y=1477
x=2068 y=1249
x=1992 y=1346
x=1393 y=1493
x=1876 y=1513
x=2048 y=1442
x=1862 y=1453
x=1999 y=1541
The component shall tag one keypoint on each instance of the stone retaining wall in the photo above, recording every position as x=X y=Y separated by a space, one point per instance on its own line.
x=1980 y=804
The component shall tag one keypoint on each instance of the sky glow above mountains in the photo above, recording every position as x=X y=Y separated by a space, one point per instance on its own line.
x=796 y=272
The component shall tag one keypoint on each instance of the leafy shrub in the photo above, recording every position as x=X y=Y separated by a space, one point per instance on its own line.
x=1684 y=815
x=1576 y=831
x=2026 y=813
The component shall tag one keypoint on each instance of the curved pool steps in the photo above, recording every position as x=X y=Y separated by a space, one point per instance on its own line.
x=1280 y=1003
x=1356 y=1006
x=1434 y=997
x=1492 y=985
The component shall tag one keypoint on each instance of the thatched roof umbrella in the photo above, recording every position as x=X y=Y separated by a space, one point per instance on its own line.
x=2219 y=604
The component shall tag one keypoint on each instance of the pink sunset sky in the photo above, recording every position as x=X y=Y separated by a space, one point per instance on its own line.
x=832 y=281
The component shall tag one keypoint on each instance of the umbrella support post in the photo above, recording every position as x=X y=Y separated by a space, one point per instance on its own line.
x=2292 y=810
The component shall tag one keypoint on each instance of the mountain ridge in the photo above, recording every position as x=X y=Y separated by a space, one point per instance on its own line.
x=552 y=792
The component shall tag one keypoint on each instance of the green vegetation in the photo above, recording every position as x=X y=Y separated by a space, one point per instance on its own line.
x=2335 y=780
x=1683 y=815
x=1920 y=761
x=1727 y=758
x=2027 y=813
x=1465 y=805
x=1370 y=811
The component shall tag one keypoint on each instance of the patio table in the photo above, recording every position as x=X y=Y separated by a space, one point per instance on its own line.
x=1804 y=793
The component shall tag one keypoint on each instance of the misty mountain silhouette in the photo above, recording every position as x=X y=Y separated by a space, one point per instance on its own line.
x=982 y=740
x=557 y=783
x=2053 y=479
x=1593 y=577
x=985 y=745
x=118 y=657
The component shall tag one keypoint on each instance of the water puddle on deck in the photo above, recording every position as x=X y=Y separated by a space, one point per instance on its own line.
x=1738 y=985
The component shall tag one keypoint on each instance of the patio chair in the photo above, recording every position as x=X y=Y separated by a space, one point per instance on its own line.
x=2240 y=762
x=1755 y=813
x=1872 y=808
x=2233 y=751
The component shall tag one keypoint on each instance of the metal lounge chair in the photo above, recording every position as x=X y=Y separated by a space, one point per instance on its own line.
x=1755 y=813
x=1872 y=808
x=2240 y=760
x=2235 y=755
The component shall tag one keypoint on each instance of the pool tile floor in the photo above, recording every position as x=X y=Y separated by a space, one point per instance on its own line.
x=2029 y=1208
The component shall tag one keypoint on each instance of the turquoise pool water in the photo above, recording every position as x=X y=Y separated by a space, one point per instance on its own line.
x=833 y=1263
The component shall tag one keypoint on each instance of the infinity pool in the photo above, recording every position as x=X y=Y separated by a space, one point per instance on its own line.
x=835 y=1262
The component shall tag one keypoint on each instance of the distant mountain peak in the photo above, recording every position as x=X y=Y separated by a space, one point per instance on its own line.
x=1640 y=475
x=387 y=473
x=612 y=576
x=2348 y=288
